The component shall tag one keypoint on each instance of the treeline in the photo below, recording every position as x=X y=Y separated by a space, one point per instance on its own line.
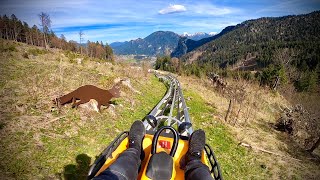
x=277 y=63
x=286 y=67
x=166 y=63
x=285 y=51
x=11 y=28
x=98 y=50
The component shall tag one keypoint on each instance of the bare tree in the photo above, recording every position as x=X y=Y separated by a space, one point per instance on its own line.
x=81 y=38
x=175 y=63
x=63 y=41
x=15 y=27
x=6 y=26
x=45 y=23
x=62 y=37
x=36 y=34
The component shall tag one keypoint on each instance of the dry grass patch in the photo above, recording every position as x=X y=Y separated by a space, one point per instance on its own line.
x=259 y=108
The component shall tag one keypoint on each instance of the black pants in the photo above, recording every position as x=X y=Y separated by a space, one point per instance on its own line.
x=127 y=164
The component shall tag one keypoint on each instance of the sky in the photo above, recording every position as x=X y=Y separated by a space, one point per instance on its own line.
x=122 y=20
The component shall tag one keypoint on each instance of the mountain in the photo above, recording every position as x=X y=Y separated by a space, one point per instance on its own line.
x=157 y=43
x=116 y=44
x=197 y=36
x=186 y=45
x=259 y=41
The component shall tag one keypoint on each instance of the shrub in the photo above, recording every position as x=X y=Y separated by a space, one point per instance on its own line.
x=12 y=48
x=307 y=82
x=270 y=74
x=37 y=52
x=247 y=75
x=25 y=55
x=9 y=48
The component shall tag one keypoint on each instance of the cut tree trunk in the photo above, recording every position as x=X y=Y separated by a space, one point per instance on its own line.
x=314 y=146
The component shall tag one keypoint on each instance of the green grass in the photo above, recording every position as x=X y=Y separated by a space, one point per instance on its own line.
x=30 y=150
x=235 y=161
x=51 y=158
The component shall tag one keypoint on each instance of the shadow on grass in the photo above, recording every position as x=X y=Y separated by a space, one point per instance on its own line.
x=78 y=171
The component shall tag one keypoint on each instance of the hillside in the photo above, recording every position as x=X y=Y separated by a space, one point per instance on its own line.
x=157 y=43
x=39 y=142
x=260 y=39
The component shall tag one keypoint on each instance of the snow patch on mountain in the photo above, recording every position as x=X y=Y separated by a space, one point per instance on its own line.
x=198 y=35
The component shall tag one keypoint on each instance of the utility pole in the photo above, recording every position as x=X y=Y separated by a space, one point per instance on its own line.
x=81 y=38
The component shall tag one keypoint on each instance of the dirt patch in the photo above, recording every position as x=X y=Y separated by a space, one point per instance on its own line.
x=194 y=56
x=301 y=125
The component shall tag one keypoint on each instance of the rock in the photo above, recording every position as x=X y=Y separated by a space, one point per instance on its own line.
x=92 y=105
x=126 y=82
x=79 y=60
x=108 y=64
x=111 y=110
x=21 y=109
x=117 y=80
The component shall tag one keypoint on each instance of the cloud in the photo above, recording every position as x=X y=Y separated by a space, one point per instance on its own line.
x=290 y=7
x=176 y=8
x=127 y=19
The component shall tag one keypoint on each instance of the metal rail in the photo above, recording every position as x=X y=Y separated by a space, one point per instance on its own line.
x=172 y=109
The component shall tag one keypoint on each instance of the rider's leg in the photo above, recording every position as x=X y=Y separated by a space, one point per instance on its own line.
x=195 y=169
x=127 y=164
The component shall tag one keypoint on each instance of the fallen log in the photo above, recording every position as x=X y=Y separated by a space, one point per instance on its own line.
x=53 y=120
x=266 y=151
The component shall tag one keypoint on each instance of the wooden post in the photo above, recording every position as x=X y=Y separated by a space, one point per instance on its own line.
x=237 y=117
x=229 y=110
x=276 y=83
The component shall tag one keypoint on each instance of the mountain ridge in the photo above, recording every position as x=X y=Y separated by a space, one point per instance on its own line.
x=257 y=36
x=157 y=43
x=197 y=36
x=186 y=45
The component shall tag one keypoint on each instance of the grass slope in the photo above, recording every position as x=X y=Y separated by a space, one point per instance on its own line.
x=235 y=161
x=38 y=142
x=252 y=126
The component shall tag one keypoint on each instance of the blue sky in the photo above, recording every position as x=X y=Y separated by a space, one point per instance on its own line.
x=121 y=20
